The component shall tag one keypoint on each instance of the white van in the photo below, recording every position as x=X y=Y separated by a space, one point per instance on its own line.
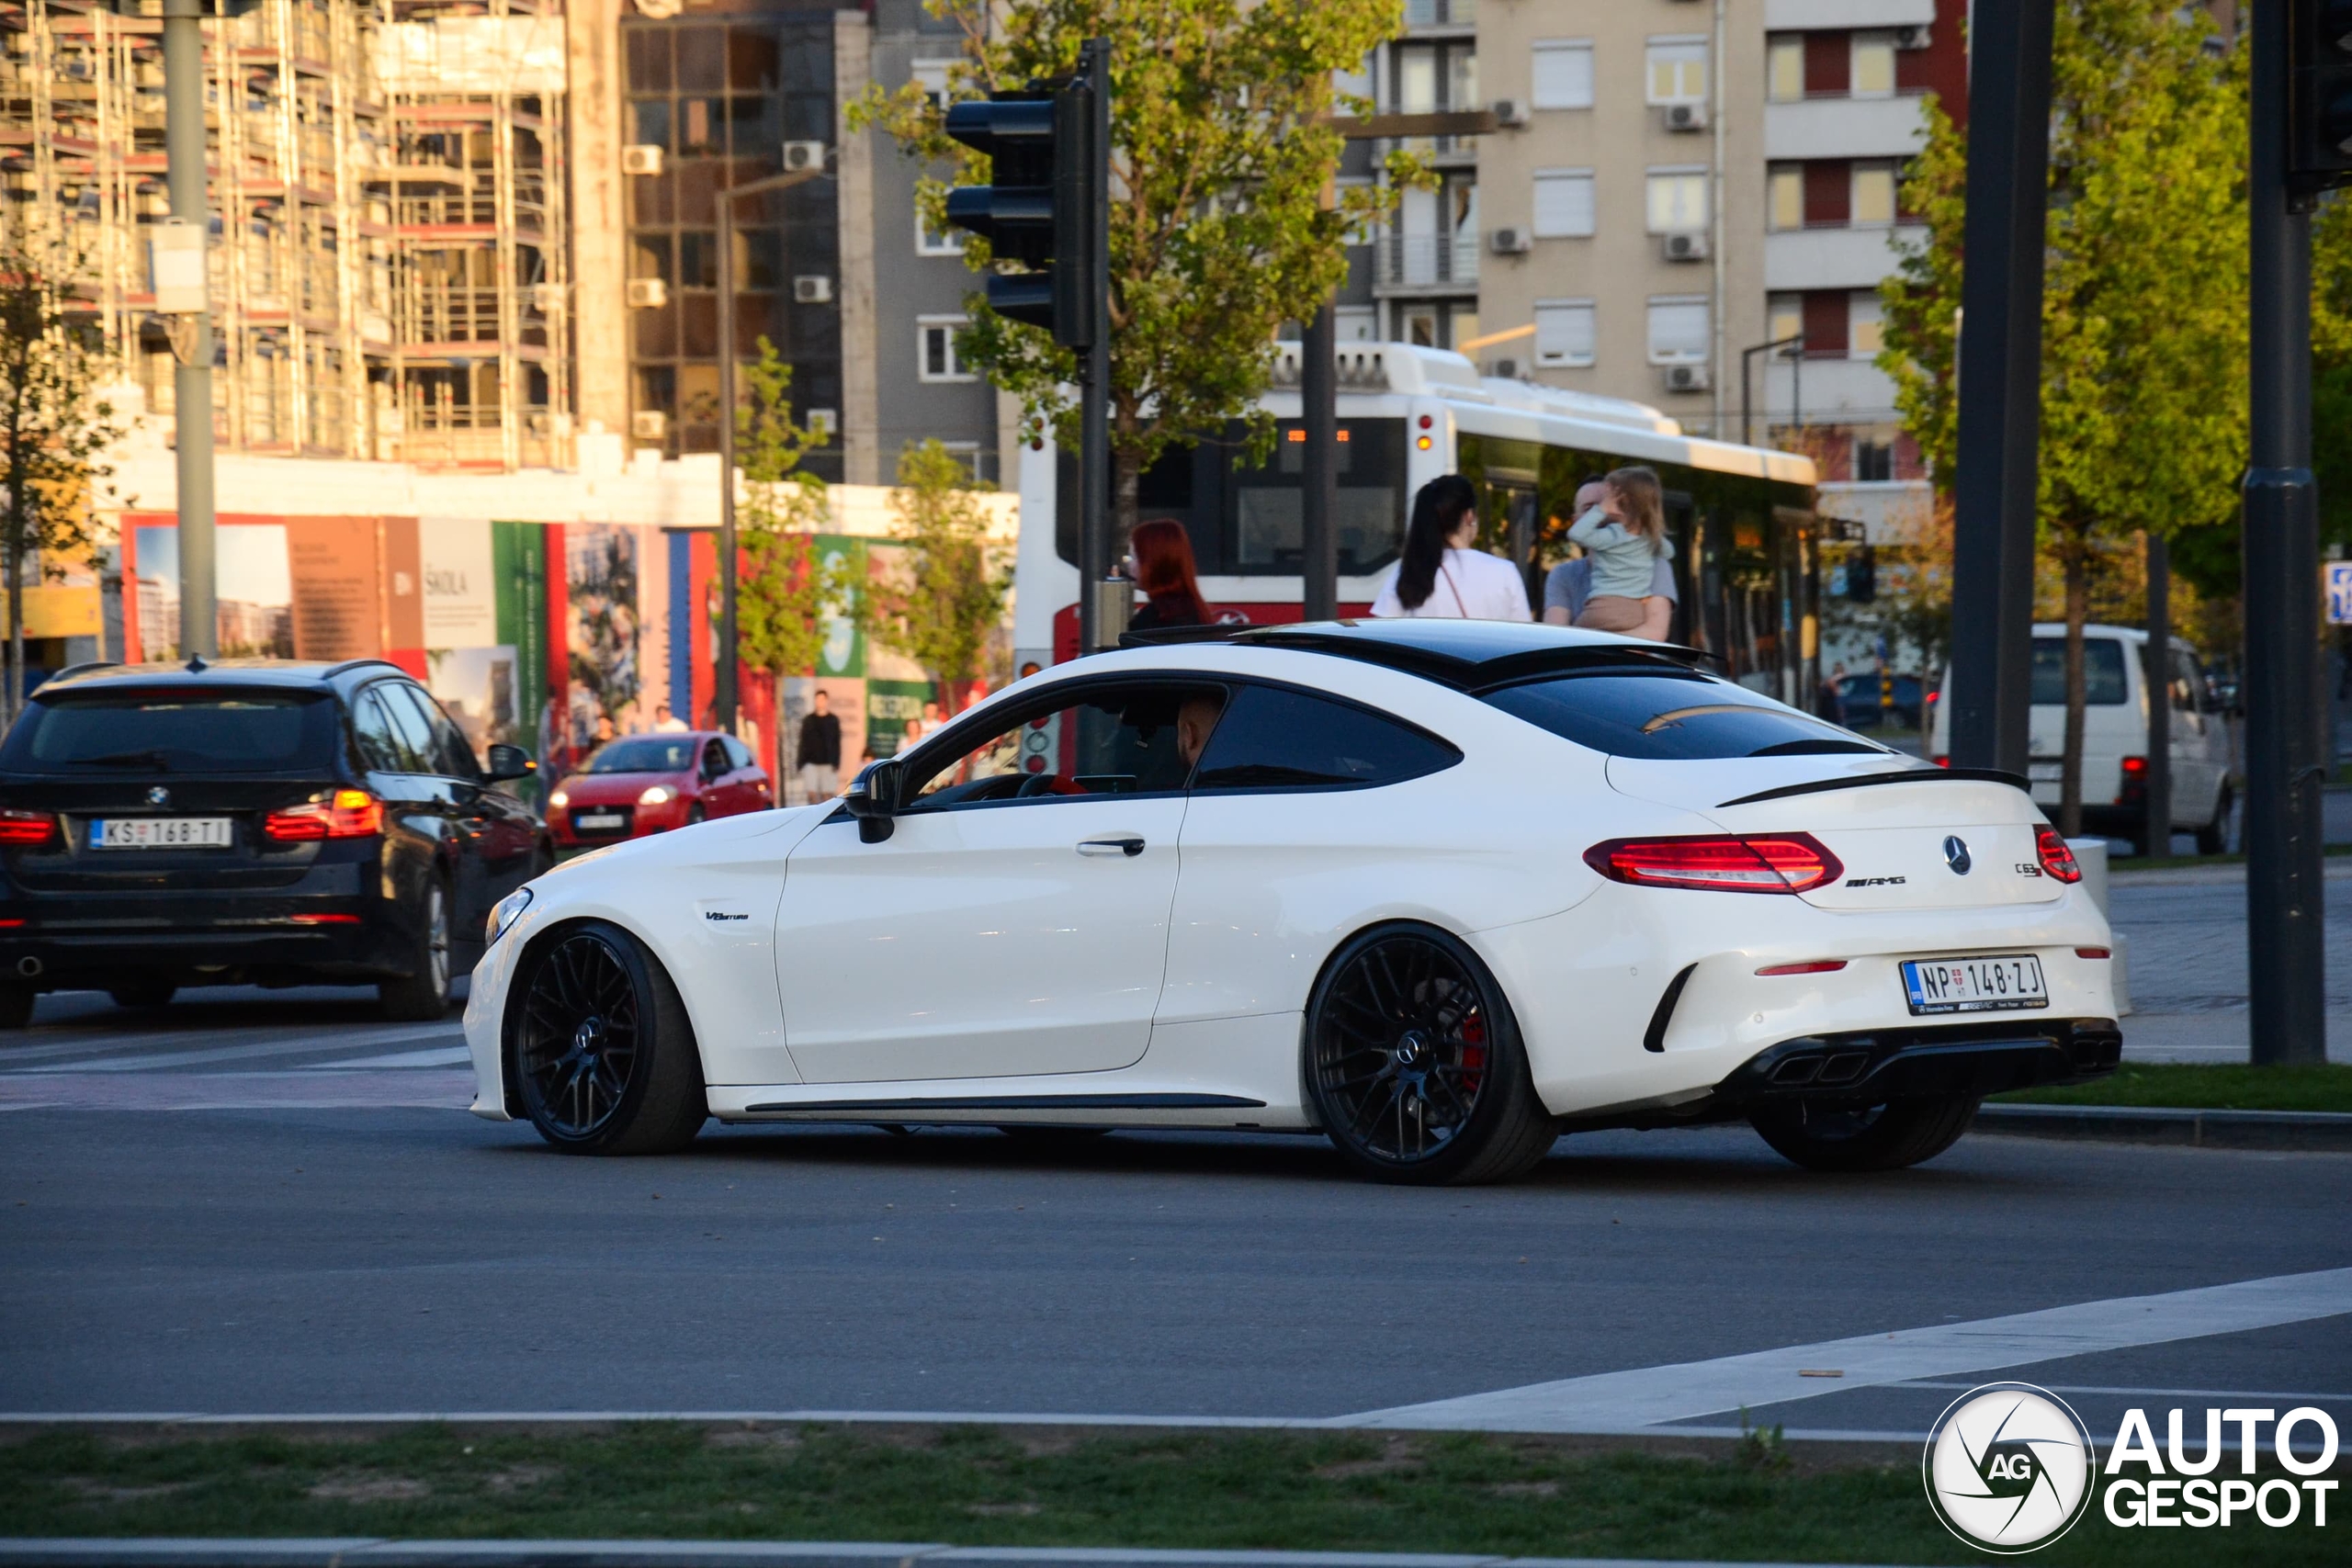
x=2115 y=736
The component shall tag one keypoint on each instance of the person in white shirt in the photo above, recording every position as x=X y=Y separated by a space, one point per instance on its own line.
x=1439 y=575
x=667 y=723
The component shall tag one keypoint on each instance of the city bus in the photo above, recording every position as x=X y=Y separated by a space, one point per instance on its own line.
x=1748 y=545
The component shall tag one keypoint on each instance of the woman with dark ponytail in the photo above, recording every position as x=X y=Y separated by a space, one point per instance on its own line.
x=1439 y=575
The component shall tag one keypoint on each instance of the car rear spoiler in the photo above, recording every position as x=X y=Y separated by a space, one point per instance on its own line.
x=1864 y=781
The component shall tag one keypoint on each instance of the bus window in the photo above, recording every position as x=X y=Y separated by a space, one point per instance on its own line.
x=1370 y=523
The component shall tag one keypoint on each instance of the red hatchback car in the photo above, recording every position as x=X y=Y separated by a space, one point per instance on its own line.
x=648 y=784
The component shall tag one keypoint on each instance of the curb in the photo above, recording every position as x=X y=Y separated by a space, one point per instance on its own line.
x=350 y=1552
x=2306 y=1131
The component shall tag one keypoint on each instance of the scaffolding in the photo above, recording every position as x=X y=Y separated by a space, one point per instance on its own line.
x=389 y=239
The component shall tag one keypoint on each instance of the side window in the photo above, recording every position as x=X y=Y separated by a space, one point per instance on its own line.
x=714 y=759
x=2187 y=682
x=380 y=743
x=1140 y=739
x=738 y=754
x=430 y=734
x=1271 y=738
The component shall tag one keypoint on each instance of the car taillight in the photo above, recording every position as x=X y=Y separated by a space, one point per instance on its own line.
x=28 y=827
x=351 y=814
x=1758 y=862
x=2057 y=860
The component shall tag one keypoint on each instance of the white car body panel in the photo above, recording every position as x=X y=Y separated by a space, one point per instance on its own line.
x=975 y=956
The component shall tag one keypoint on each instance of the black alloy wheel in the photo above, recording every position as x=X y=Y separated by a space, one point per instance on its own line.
x=1870 y=1137
x=604 y=1056
x=1415 y=1065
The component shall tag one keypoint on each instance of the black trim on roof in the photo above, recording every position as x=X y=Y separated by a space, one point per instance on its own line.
x=1470 y=656
x=1904 y=776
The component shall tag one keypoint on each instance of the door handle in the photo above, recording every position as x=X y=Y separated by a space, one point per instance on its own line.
x=1127 y=845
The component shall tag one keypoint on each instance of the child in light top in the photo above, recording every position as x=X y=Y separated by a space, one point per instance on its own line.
x=1625 y=536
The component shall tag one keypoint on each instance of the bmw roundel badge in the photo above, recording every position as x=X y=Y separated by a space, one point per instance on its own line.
x=1956 y=854
x=159 y=796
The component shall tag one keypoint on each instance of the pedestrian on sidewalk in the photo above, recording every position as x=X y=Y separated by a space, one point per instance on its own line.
x=821 y=749
x=1440 y=576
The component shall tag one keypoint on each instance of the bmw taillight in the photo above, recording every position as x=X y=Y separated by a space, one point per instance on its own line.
x=28 y=827
x=349 y=814
x=2057 y=860
x=1754 y=863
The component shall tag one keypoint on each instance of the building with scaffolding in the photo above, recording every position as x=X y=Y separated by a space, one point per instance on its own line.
x=388 y=250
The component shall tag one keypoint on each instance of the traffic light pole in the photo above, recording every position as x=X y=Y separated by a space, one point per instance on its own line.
x=192 y=367
x=1094 y=377
x=1318 y=378
x=2286 y=994
x=2000 y=384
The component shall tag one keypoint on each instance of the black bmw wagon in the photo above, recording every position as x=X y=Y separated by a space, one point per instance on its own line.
x=249 y=822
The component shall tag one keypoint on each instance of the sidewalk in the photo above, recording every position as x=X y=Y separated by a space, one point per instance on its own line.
x=2187 y=927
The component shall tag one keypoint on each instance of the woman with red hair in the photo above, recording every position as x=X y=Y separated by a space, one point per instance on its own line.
x=1159 y=561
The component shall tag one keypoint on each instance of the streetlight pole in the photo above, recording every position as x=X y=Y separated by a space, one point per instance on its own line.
x=1795 y=341
x=723 y=694
x=192 y=367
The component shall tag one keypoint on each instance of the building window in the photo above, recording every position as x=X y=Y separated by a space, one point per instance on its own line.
x=941 y=337
x=1873 y=201
x=1678 y=201
x=1874 y=457
x=1680 y=331
x=1865 y=327
x=1677 y=71
x=1873 y=75
x=1356 y=323
x=1561 y=77
x=931 y=241
x=1784 y=196
x=1783 y=319
x=932 y=76
x=1565 y=334
x=1564 y=208
x=1784 y=68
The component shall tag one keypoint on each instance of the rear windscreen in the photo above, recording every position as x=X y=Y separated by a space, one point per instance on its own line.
x=172 y=732
x=1670 y=716
x=2102 y=671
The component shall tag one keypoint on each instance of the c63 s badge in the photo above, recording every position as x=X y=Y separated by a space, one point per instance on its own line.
x=2009 y=1467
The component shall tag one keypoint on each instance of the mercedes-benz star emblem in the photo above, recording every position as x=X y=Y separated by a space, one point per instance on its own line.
x=159 y=796
x=1956 y=854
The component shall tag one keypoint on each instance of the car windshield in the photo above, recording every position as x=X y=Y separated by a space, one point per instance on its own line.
x=647 y=754
x=1670 y=716
x=212 y=731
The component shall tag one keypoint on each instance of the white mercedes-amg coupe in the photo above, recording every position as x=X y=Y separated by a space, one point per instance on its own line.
x=1440 y=889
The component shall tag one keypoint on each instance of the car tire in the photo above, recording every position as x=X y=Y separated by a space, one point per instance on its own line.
x=1878 y=1137
x=1414 y=1063
x=695 y=813
x=2213 y=838
x=17 y=1005
x=423 y=995
x=143 y=991
x=600 y=1048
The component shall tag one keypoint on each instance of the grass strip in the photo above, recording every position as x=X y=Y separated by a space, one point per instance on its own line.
x=2176 y=862
x=1374 y=1492
x=2206 y=1085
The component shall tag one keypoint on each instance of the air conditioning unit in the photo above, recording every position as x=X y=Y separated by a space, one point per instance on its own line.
x=1687 y=378
x=641 y=158
x=1686 y=116
x=1510 y=113
x=1919 y=35
x=1685 y=247
x=1510 y=242
x=803 y=155
x=812 y=291
x=649 y=424
x=1505 y=369
x=647 y=293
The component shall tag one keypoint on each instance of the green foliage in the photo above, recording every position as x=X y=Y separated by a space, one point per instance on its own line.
x=2331 y=365
x=951 y=597
x=1221 y=156
x=53 y=430
x=2143 y=379
x=785 y=592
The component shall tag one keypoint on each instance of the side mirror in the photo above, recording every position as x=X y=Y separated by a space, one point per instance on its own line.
x=510 y=762
x=873 y=800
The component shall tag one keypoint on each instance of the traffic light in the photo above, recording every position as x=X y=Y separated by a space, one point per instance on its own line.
x=2319 y=93
x=1051 y=180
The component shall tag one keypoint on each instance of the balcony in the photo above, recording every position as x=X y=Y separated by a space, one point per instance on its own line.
x=1431 y=263
x=1423 y=14
x=1845 y=127
x=1809 y=15
x=1834 y=259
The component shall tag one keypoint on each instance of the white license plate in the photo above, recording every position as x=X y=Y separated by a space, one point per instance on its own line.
x=159 y=833
x=2045 y=772
x=601 y=819
x=1975 y=985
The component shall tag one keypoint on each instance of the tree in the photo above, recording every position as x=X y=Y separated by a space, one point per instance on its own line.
x=54 y=429
x=788 y=592
x=2144 y=328
x=2332 y=365
x=950 y=600
x=1221 y=155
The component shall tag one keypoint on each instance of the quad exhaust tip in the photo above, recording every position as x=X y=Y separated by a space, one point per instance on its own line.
x=28 y=967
